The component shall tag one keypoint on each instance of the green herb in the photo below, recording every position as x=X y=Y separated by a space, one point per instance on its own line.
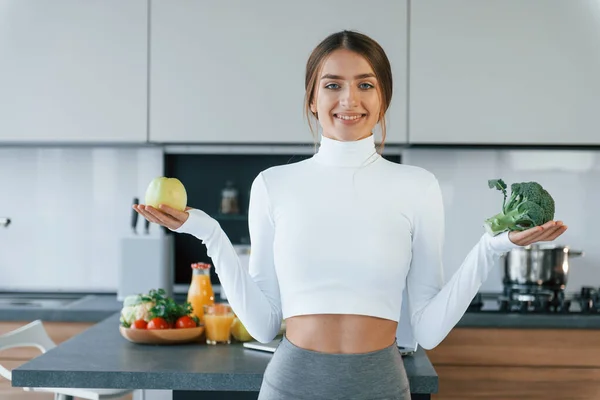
x=165 y=307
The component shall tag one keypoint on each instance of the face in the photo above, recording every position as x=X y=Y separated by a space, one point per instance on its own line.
x=347 y=97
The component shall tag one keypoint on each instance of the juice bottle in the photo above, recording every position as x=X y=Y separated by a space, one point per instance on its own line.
x=200 y=292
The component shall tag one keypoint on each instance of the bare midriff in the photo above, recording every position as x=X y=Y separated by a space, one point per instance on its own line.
x=340 y=333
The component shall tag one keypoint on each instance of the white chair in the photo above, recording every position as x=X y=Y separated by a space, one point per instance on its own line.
x=34 y=335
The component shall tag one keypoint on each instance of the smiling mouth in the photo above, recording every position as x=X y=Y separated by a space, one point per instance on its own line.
x=353 y=117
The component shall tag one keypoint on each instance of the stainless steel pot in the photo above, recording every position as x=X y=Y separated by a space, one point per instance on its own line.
x=543 y=265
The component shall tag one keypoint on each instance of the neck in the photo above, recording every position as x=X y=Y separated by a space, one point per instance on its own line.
x=353 y=153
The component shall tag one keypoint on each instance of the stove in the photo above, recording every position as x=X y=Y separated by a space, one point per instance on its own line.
x=538 y=300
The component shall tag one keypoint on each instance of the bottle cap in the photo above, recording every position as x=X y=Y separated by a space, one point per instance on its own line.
x=200 y=265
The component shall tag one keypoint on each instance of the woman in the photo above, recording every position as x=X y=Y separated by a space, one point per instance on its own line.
x=335 y=240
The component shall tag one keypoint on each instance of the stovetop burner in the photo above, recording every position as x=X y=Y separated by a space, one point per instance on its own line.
x=530 y=299
x=589 y=299
x=534 y=302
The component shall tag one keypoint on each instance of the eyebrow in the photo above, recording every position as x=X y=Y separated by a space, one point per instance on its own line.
x=361 y=76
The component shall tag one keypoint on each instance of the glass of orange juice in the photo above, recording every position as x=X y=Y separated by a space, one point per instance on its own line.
x=218 y=319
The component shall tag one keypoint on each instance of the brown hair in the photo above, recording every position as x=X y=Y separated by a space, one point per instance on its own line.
x=362 y=45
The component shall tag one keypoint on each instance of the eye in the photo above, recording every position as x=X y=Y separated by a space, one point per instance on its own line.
x=329 y=86
x=366 y=86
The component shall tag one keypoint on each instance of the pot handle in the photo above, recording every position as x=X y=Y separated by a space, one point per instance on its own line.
x=576 y=253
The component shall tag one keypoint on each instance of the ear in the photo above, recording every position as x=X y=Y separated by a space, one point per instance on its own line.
x=313 y=108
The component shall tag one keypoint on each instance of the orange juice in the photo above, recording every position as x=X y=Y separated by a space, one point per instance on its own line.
x=200 y=292
x=218 y=319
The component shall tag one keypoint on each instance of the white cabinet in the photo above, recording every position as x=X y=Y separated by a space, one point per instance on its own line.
x=504 y=72
x=232 y=71
x=73 y=71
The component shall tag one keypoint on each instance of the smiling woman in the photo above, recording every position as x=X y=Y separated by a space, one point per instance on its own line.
x=345 y=215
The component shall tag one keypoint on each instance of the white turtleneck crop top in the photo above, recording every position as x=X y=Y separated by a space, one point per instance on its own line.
x=346 y=232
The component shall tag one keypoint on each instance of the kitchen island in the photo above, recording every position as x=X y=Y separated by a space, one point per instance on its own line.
x=489 y=351
x=101 y=358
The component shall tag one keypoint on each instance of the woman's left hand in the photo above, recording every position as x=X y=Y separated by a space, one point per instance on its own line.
x=543 y=233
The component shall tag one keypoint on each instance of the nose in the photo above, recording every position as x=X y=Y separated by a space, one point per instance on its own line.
x=349 y=97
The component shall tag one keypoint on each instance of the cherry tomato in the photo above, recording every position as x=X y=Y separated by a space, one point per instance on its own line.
x=185 y=322
x=158 y=323
x=139 y=324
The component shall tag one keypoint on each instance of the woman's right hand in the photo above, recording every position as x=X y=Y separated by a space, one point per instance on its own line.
x=164 y=215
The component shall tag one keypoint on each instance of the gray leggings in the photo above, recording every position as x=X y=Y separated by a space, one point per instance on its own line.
x=295 y=373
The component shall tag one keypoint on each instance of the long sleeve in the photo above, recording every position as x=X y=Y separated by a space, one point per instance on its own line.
x=437 y=306
x=253 y=293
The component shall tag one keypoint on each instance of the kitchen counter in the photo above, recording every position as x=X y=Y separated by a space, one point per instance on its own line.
x=97 y=307
x=529 y=321
x=62 y=307
x=485 y=312
x=101 y=358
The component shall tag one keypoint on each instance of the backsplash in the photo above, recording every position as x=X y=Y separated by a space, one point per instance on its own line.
x=571 y=177
x=71 y=206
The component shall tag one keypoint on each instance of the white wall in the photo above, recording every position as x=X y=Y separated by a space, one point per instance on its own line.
x=572 y=177
x=69 y=208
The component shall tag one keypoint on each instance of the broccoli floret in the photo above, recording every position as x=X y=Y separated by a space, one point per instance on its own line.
x=529 y=205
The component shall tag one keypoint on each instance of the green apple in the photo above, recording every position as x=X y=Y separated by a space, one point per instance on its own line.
x=167 y=191
x=239 y=332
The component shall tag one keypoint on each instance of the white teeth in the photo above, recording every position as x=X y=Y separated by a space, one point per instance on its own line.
x=348 y=117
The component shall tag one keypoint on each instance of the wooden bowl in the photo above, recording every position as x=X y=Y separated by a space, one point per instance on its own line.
x=162 y=336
